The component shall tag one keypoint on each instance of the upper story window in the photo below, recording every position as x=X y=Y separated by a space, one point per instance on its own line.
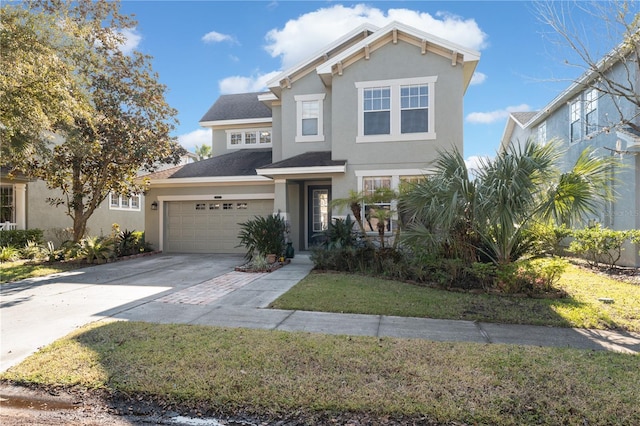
x=591 y=111
x=249 y=138
x=120 y=202
x=309 y=120
x=575 y=113
x=396 y=110
x=542 y=133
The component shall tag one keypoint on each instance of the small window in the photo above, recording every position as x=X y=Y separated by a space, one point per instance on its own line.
x=309 y=127
x=122 y=202
x=227 y=206
x=242 y=206
x=214 y=206
x=201 y=206
x=591 y=111
x=249 y=138
x=542 y=133
x=576 y=122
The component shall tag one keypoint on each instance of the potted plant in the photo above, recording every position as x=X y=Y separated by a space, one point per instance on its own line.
x=263 y=236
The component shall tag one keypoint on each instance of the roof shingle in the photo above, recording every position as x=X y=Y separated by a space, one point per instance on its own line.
x=239 y=106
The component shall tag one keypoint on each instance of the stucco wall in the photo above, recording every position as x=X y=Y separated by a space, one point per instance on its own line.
x=42 y=215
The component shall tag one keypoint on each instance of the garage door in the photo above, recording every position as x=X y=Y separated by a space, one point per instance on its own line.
x=209 y=226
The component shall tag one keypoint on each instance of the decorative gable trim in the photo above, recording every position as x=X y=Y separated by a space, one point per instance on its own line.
x=393 y=33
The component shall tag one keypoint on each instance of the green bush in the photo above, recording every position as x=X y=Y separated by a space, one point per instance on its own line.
x=529 y=276
x=598 y=245
x=9 y=254
x=546 y=239
x=263 y=235
x=339 y=234
x=128 y=243
x=96 y=249
x=20 y=237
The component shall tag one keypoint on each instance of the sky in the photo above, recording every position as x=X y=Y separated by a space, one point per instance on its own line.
x=202 y=49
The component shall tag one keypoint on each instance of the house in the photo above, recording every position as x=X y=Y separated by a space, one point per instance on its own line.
x=586 y=115
x=24 y=205
x=370 y=110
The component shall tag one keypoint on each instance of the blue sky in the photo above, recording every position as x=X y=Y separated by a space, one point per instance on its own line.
x=202 y=49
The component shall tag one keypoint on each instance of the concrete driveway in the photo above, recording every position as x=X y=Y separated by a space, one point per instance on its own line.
x=36 y=312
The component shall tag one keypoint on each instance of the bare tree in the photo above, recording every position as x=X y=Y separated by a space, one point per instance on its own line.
x=610 y=35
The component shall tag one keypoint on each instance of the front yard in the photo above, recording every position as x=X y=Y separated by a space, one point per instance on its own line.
x=337 y=292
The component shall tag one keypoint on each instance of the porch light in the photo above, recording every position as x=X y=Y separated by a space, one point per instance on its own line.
x=154 y=205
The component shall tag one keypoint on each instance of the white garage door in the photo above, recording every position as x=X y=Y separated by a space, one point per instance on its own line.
x=209 y=226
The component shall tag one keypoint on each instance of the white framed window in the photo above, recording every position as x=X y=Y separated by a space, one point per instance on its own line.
x=309 y=117
x=575 y=117
x=591 y=111
x=542 y=133
x=122 y=202
x=396 y=110
x=396 y=180
x=249 y=138
x=7 y=203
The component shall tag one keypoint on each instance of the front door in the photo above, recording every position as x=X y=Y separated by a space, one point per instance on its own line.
x=319 y=213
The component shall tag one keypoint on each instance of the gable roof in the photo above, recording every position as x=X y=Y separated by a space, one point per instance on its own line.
x=515 y=119
x=233 y=164
x=297 y=71
x=614 y=56
x=428 y=43
x=240 y=106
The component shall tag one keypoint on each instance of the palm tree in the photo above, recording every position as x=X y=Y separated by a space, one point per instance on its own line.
x=203 y=151
x=490 y=214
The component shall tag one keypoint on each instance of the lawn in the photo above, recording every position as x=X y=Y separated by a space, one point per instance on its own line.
x=337 y=292
x=21 y=269
x=272 y=373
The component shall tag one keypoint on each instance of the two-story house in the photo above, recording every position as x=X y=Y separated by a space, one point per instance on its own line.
x=586 y=114
x=368 y=111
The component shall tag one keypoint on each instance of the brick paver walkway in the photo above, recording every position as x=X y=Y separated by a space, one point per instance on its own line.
x=212 y=290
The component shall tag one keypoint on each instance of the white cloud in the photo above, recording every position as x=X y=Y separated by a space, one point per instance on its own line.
x=239 y=84
x=476 y=162
x=197 y=137
x=493 y=116
x=131 y=40
x=216 y=37
x=311 y=31
x=478 y=78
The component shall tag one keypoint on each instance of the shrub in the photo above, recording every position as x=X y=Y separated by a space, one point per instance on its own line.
x=20 y=237
x=339 y=234
x=598 y=245
x=32 y=250
x=263 y=235
x=546 y=239
x=96 y=249
x=530 y=276
x=9 y=253
x=128 y=243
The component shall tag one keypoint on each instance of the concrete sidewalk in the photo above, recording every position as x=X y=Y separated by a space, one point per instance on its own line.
x=204 y=289
x=245 y=306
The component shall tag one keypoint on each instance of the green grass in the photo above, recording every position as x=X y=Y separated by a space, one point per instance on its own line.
x=271 y=372
x=21 y=269
x=337 y=292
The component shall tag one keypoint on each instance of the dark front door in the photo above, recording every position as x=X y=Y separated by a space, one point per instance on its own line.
x=319 y=212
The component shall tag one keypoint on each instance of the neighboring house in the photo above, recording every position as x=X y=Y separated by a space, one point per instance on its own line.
x=24 y=205
x=369 y=110
x=581 y=117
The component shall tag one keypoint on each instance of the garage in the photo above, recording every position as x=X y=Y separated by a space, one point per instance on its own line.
x=209 y=226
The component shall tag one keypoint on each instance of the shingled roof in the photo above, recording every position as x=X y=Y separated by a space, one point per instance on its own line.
x=238 y=163
x=239 y=106
x=308 y=159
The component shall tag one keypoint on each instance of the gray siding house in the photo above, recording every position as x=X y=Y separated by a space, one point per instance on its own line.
x=584 y=116
x=369 y=110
